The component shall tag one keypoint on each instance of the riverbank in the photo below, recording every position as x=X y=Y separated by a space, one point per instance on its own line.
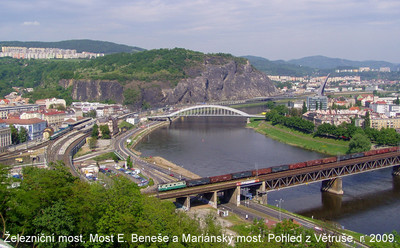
x=176 y=170
x=299 y=139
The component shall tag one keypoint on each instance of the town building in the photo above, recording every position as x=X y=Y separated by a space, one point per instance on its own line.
x=317 y=103
x=45 y=53
x=54 y=117
x=34 y=126
x=335 y=117
x=5 y=135
x=385 y=122
x=51 y=103
x=5 y=111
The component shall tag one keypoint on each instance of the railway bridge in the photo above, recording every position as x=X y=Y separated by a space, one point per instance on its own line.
x=207 y=111
x=330 y=174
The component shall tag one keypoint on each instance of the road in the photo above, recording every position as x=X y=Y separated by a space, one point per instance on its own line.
x=257 y=211
x=158 y=175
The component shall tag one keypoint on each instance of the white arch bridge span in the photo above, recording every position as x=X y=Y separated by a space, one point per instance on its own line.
x=206 y=110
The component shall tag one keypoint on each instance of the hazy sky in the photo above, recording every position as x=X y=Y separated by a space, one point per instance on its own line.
x=273 y=29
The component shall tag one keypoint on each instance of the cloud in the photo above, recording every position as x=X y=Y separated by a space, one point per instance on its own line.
x=34 y=23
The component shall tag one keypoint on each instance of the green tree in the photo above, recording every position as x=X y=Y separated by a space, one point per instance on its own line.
x=54 y=220
x=131 y=96
x=304 y=108
x=129 y=162
x=91 y=113
x=95 y=131
x=105 y=132
x=367 y=120
x=92 y=142
x=115 y=157
x=387 y=136
x=4 y=197
x=14 y=135
x=23 y=135
x=397 y=101
x=359 y=143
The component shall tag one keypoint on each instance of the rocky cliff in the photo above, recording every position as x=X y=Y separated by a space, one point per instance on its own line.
x=214 y=79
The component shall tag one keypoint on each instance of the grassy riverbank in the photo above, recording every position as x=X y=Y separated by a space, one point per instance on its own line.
x=299 y=139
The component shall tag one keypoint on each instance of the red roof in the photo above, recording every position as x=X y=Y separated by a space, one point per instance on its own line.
x=53 y=112
x=354 y=108
x=23 y=121
x=70 y=120
x=380 y=102
x=5 y=100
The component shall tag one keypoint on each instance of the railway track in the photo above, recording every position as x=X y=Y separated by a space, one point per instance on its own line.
x=282 y=174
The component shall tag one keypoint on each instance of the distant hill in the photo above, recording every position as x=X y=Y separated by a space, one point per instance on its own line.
x=322 y=62
x=93 y=46
x=279 y=67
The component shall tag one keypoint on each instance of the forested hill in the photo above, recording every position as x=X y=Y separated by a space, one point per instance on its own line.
x=93 y=46
x=149 y=78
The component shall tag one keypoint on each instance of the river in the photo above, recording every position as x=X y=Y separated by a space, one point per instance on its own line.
x=216 y=146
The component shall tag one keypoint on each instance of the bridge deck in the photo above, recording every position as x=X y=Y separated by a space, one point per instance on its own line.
x=290 y=178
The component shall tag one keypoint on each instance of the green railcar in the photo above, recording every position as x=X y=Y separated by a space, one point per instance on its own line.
x=171 y=186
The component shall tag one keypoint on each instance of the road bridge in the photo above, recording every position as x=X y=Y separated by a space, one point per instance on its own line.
x=206 y=110
x=330 y=174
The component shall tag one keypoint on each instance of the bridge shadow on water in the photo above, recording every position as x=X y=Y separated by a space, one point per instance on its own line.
x=333 y=207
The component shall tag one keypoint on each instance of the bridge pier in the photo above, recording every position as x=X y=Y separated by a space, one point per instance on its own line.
x=262 y=191
x=212 y=198
x=396 y=170
x=233 y=195
x=184 y=201
x=248 y=120
x=333 y=186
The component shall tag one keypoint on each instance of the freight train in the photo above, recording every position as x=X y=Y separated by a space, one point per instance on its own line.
x=264 y=171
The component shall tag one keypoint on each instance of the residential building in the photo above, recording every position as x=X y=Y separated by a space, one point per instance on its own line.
x=385 y=122
x=51 y=102
x=317 y=101
x=334 y=117
x=5 y=135
x=34 y=126
x=31 y=115
x=5 y=111
x=111 y=122
x=54 y=117
x=4 y=102
x=379 y=107
x=45 y=53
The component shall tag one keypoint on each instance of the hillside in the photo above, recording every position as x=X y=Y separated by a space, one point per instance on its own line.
x=146 y=79
x=322 y=62
x=93 y=46
x=279 y=67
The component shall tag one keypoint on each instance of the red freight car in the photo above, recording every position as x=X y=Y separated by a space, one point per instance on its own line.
x=393 y=149
x=370 y=153
x=221 y=178
x=297 y=165
x=384 y=150
x=329 y=160
x=314 y=162
x=262 y=171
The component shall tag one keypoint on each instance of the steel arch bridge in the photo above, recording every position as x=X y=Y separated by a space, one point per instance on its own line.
x=207 y=110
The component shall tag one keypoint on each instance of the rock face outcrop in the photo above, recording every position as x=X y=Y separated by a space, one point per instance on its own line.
x=231 y=81
x=94 y=90
x=216 y=79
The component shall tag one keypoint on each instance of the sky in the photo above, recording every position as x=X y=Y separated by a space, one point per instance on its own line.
x=273 y=29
